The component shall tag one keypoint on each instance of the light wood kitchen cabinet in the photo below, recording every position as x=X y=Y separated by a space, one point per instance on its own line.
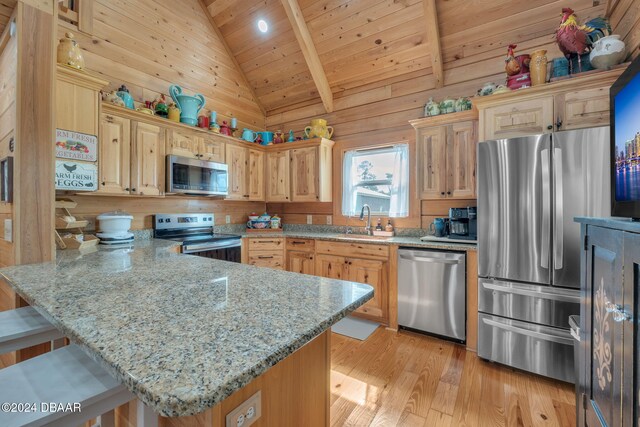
x=77 y=100
x=237 y=161
x=196 y=145
x=311 y=174
x=331 y=266
x=374 y=273
x=246 y=173
x=266 y=252
x=278 y=176
x=301 y=262
x=579 y=102
x=147 y=159
x=114 y=155
x=255 y=176
x=446 y=149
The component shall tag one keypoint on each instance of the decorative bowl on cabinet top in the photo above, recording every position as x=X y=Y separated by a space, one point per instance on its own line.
x=318 y=129
x=189 y=106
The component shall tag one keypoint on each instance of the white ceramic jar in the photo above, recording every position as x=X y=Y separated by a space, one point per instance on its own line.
x=117 y=223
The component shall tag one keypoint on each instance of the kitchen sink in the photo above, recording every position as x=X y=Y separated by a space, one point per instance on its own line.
x=361 y=237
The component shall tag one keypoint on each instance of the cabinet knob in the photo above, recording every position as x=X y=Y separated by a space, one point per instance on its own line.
x=103 y=183
x=133 y=189
x=127 y=189
x=559 y=123
x=448 y=193
x=442 y=193
x=550 y=127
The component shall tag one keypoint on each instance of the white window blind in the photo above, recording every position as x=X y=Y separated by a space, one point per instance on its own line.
x=377 y=177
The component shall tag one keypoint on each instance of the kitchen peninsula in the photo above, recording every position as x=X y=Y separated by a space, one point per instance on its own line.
x=189 y=335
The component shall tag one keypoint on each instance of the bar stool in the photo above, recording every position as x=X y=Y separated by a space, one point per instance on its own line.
x=24 y=327
x=63 y=376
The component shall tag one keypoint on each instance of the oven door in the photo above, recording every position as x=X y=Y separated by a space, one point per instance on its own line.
x=225 y=250
x=193 y=176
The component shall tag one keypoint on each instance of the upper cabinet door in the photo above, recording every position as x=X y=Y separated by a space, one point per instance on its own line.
x=212 y=150
x=184 y=144
x=530 y=117
x=255 y=176
x=237 y=160
x=278 y=176
x=305 y=175
x=583 y=109
x=76 y=107
x=114 y=155
x=461 y=162
x=148 y=160
x=432 y=170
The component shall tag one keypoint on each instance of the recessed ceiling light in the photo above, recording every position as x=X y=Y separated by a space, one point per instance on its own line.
x=263 y=26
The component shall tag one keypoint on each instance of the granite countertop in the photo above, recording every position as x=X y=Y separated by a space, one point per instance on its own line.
x=181 y=332
x=396 y=240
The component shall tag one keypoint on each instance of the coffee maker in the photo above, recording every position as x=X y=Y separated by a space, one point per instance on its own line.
x=463 y=223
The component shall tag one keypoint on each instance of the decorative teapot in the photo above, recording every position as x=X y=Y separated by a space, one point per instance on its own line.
x=173 y=113
x=112 y=98
x=447 y=106
x=69 y=52
x=487 y=89
x=462 y=104
x=318 y=129
x=123 y=93
x=248 y=135
x=431 y=108
x=189 y=106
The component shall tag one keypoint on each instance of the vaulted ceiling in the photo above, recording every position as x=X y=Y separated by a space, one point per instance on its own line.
x=6 y=9
x=360 y=42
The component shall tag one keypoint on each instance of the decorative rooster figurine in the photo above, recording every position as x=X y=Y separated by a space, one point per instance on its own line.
x=512 y=66
x=574 y=39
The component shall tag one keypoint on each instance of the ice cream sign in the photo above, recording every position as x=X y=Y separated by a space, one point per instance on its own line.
x=76 y=176
x=76 y=146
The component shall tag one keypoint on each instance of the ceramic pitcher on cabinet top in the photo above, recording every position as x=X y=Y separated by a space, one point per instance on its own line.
x=189 y=106
x=318 y=129
x=69 y=52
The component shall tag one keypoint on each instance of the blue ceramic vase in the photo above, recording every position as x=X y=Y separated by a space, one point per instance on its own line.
x=189 y=106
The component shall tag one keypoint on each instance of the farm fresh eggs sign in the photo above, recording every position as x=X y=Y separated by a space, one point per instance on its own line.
x=76 y=176
x=76 y=145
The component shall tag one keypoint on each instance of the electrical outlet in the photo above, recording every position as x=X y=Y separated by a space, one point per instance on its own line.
x=329 y=220
x=227 y=219
x=8 y=230
x=309 y=219
x=247 y=413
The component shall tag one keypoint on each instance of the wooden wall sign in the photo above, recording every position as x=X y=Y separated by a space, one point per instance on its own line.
x=76 y=176
x=76 y=145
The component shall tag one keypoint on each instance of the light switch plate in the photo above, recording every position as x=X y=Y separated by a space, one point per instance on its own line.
x=247 y=413
x=8 y=230
x=309 y=219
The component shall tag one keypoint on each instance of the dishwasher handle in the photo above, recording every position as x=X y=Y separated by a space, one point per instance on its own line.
x=430 y=259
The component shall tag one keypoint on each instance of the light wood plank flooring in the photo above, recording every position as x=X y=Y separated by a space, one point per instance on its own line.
x=406 y=379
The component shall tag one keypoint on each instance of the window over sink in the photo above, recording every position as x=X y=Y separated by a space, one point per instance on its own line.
x=378 y=177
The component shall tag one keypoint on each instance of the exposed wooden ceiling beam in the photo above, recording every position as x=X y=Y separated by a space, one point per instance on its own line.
x=433 y=37
x=215 y=28
x=309 y=52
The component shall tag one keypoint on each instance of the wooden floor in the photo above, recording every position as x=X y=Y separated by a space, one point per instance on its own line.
x=405 y=379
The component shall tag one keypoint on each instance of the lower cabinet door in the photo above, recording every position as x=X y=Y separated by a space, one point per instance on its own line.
x=331 y=266
x=267 y=260
x=604 y=340
x=631 y=383
x=373 y=273
x=301 y=262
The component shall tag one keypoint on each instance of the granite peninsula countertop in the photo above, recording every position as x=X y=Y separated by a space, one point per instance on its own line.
x=182 y=332
x=349 y=238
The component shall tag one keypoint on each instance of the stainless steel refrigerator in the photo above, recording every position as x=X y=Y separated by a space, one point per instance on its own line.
x=529 y=191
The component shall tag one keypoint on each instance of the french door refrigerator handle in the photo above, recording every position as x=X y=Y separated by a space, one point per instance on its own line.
x=558 y=226
x=546 y=208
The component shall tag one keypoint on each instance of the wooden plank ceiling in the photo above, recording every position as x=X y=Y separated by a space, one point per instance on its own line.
x=6 y=9
x=365 y=41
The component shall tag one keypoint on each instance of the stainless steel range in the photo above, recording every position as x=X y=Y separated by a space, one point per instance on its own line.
x=196 y=235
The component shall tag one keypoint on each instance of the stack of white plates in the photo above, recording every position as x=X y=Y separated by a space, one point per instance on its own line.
x=115 y=238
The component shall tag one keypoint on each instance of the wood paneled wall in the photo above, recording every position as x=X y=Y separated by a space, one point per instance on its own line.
x=151 y=44
x=625 y=20
x=8 y=68
x=142 y=208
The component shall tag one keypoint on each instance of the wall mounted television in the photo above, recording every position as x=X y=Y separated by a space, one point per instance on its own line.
x=625 y=143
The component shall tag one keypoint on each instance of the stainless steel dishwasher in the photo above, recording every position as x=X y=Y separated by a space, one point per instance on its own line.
x=432 y=292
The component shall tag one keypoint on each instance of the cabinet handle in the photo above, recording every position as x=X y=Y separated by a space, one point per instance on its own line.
x=559 y=123
x=267 y=241
x=265 y=257
x=619 y=315
x=550 y=127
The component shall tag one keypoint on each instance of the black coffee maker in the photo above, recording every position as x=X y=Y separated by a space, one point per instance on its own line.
x=463 y=223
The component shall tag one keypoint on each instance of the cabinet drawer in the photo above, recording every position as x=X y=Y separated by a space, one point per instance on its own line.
x=353 y=249
x=302 y=245
x=267 y=260
x=265 y=244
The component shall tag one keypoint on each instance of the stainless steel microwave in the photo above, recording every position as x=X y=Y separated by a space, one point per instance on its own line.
x=200 y=177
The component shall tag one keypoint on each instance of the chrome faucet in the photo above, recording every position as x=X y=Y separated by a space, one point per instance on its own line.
x=368 y=228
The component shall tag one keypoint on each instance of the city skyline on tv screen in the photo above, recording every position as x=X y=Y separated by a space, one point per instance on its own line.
x=627 y=141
